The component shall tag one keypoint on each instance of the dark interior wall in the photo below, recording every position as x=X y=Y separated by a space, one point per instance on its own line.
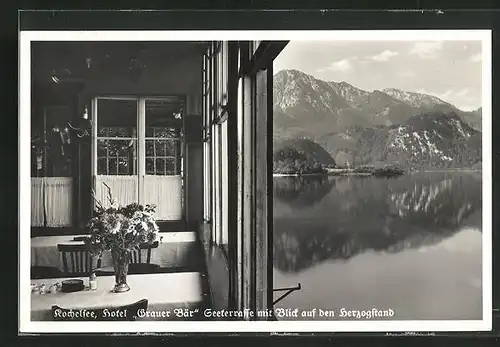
x=194 y=172
x=173 y=78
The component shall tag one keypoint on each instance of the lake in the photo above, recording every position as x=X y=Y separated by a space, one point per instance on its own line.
x=411 y=244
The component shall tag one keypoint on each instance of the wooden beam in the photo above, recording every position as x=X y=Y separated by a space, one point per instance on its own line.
x=266 y=52
x=75 y=166
x=270 y=188
x=232 y=150
x=247 y=184
x=261 y=192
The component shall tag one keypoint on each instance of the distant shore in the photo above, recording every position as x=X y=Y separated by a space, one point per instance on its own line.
x=372 y=171
x=389 y=171
x=299 y=174
x=449 y=170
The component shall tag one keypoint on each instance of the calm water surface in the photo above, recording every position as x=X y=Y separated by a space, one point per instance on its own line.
x=411 y=244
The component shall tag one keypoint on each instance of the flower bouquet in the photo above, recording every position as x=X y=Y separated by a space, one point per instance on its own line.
x=121 y=230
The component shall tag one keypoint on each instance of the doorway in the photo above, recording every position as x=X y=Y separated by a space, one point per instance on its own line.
x=138 y=152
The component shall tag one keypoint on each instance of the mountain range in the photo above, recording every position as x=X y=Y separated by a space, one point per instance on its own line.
x=360 y=127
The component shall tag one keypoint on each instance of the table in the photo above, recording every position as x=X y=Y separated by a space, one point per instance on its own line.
x=164 y=291
x=177 y=249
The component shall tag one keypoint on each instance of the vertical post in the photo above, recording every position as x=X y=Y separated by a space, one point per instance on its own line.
x=232 y=171
x=45 y=173
x=239 y=197
x=270 y=187
x=248 y=193
x=183 y=147
x=93 y=148
x=260 y=240
x=76 y=173
x=256 y=182
x=141 y=147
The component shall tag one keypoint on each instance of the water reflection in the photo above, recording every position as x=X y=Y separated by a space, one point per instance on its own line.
x=412 y=244
x=340 y=217
x=302 y=191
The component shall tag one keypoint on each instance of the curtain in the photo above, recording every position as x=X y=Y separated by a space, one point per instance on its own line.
x=37 y=204
x=51 y=201
x=57 y=199
x=163 y=191
x=123 y=189
x=166 y=193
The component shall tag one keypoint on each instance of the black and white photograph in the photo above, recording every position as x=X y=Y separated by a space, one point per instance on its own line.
x=378 y=180
x=203 y=181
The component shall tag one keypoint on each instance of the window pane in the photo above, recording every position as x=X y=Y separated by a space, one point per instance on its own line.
x=150 y=150
x=165 y=132
x=102 y=166
x=122 y=152
x=113 y=148
x=172 y=148
x=51 y=143
x=102 y=148
x=150 y=166
x=102 y=132
x=160 y=147
x=165 y=112
x=125 y=167
x=160 y=166
x=117 y=118
x=171 y=167
x=126 y=148
x=113 y=166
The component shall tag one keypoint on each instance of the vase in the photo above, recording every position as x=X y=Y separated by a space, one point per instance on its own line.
x=121 y=260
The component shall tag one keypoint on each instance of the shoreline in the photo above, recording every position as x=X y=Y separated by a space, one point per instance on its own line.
x=300 y=175
x=450 y=170
x=344 y=172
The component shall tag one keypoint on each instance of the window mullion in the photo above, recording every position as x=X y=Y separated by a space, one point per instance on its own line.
x=141 y=147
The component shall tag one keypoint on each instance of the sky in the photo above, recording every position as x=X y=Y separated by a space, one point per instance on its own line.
x=450 y=70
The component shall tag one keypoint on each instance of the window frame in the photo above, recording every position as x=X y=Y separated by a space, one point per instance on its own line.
x=141 y=139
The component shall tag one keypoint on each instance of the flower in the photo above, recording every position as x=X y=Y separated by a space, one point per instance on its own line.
x=116 y=229
x=121 y=229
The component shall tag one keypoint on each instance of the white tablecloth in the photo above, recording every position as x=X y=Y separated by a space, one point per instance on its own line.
x=176 y=249
x=165 y=292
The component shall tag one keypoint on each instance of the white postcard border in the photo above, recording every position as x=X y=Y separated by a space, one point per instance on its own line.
x=28 y=326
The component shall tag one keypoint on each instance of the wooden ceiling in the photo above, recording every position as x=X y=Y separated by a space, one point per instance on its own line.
x=78 y=60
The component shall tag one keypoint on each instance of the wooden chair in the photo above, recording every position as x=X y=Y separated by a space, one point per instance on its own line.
x=137 y=257
x=139 y=265
x=40 y=272
x=63 y=314
x=80 y=261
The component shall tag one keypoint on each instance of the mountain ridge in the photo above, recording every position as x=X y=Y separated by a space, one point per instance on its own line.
x=338 y=105
x=357 y=127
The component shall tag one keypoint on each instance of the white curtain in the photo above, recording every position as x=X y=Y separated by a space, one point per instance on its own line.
x=166 y=193
x=51 y=199
x=123 y=189
x=57 y=199
x=37 y=204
